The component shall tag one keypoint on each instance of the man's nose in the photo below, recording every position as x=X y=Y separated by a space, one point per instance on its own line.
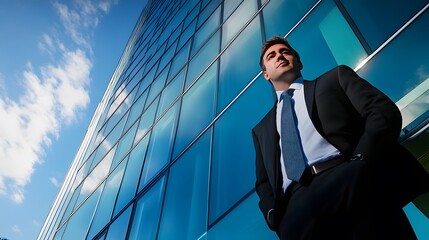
x=280 y=57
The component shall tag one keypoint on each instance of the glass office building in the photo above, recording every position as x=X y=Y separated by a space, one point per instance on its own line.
x=169 y=152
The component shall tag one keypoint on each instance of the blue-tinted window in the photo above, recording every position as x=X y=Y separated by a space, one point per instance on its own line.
x=206 y=30
x=107 y=200
x=408 y=84
x=160 y=145
x=132 y=174
x=136 y=109
x=237 y=20
x=179 y=60
x=229 y=6
x=184 y=214
x=239 y=63
x=171 y=92
x=233 y=164
x=124 y=144
x=146 y=121
x=157 y=85
x=281 y=16
x=207 y=11
x=78 y=224
x=200 y=96
x=244 y=222
x=118 y=229
x=96 y=176
x=187 y=33
x=202 y=59
x=378 y=20
x=324 y=40
x=147 y=213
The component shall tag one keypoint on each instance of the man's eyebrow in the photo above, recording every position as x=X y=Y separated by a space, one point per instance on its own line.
x=269 y=53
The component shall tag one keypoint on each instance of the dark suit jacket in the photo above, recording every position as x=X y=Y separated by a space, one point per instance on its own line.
x=354 y=117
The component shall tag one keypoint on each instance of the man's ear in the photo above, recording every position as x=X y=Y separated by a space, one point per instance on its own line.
x=266 y=76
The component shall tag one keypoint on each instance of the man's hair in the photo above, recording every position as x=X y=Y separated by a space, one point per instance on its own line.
x=273 y=41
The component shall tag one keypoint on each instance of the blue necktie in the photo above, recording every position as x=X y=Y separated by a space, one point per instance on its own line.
x=293 y=155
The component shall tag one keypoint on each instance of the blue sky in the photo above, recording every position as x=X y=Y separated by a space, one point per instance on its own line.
x=56 y=59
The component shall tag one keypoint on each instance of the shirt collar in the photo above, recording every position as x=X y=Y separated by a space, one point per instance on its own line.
x=297 y=85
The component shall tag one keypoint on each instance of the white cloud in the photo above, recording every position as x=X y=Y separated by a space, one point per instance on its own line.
x=16 y=229
x=55 y=93
x=54 y=181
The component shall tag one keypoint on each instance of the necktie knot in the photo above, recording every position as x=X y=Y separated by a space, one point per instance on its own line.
x=287 y=93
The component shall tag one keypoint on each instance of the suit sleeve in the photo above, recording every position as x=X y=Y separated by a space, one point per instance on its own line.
x=262 y=186
x=381 y=116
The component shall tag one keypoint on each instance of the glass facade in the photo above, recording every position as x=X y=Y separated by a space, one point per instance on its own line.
x=169 y=152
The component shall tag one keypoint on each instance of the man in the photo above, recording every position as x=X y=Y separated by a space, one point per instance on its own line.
x=355 y=177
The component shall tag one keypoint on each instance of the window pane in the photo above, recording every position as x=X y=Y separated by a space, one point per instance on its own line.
x=206 y=30
x=161 y=142
x=146 y=121
x=146 y=216
x=185 y=206
x=324 y=40
x=157 y=85
x=202 y=59
x=170 y=93
x=378 y=20
x=79 y=222
x=239 y=63
x=124 y=144
x=106 y=203
x=233 y=164
x=132 y=174
x=244 y=222
x=118 y=229
x=237 y=20
x=179 y=60
x=281 y=16
x=407 y=86
x=201 y=96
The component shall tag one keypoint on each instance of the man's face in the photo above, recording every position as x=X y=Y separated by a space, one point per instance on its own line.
x=281 y=65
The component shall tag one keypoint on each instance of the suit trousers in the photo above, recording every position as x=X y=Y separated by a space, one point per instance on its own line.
x=341 y=203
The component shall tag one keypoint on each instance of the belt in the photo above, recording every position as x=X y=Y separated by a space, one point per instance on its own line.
x=317 y=168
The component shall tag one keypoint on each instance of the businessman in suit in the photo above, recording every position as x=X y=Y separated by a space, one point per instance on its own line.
x=345 y=176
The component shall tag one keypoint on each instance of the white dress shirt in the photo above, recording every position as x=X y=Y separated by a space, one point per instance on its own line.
x=315 y=147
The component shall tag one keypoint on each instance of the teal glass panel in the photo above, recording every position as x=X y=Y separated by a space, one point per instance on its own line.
x=233 y=164
x=326 y=35
x=281 y=16
x=206 y=30
x=132 y=174
x=191 y=16
x=170 y=93
x=186 y=35
x=168 y=55
x=136 y=110
x=107 y=201
x=237 y=20
x=146 y=215
x=146 y=81
x=197 y=109
x=207 y=11
x=179 y=60
x=202 y=59
x=160 y=145
x=239 y=63
x=378 y=20
x=157 y=85
x=124 y=144
x=146 y=121
x=406 y=83
x=184 y=215
x=97 y=176
x=78 y=224
x=229 y=7
x=244 y=222
x=118 y=229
